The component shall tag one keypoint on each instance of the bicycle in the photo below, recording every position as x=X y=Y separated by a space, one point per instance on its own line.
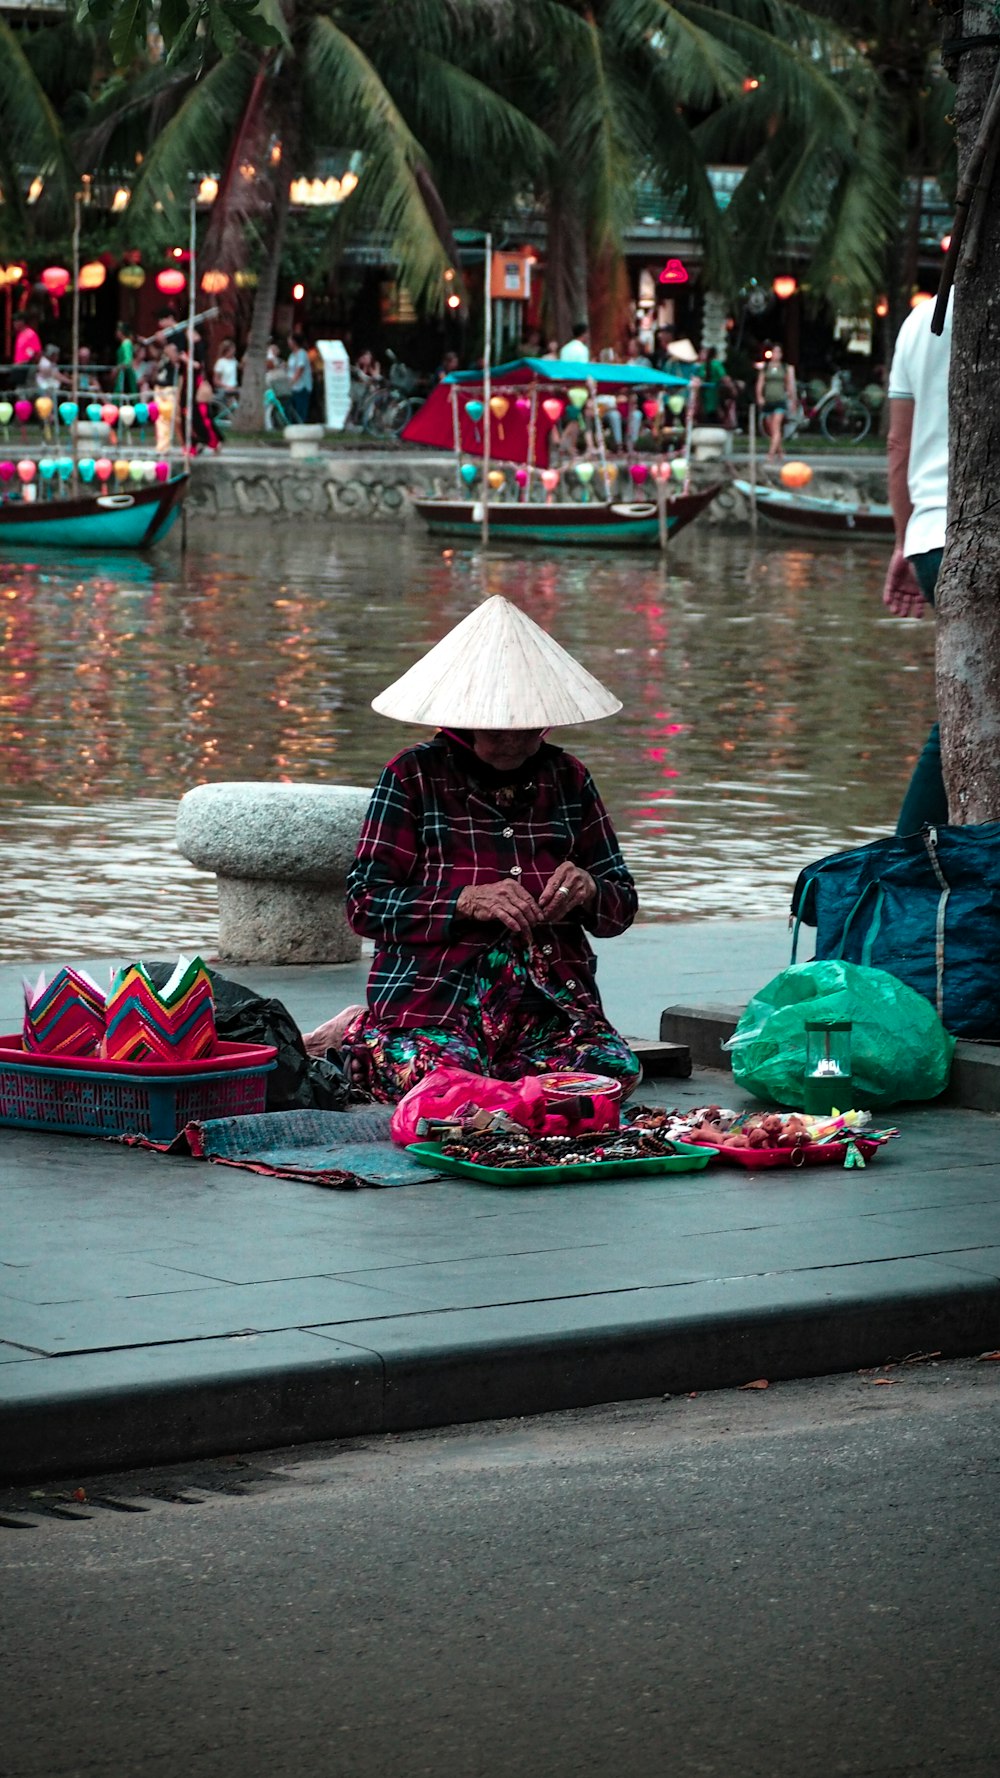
x=842 y=416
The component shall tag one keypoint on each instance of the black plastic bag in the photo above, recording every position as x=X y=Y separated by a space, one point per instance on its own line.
x=298 y=1082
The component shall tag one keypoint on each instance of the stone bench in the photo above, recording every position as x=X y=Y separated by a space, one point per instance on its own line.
x=281 y=854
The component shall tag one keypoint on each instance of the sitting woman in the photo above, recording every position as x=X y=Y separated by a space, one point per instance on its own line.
x=485 y=859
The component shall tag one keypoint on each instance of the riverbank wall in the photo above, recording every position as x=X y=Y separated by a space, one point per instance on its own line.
x=362 y=486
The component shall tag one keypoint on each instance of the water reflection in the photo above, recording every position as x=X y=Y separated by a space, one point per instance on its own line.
x=771 y=707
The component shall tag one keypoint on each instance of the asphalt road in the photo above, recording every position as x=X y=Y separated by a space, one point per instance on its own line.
x=793 y=1582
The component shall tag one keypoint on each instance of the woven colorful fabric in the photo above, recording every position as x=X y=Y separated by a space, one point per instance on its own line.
x=175 y=1023
x=66 y=1018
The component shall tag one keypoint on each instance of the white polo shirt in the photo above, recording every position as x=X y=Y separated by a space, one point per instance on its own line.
x=920 y=374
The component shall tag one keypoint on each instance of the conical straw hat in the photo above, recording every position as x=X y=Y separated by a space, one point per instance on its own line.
x=497 y=670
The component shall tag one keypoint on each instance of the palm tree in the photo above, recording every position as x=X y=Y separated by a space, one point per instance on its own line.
x=663 y=87
x=32 y=146
x=385 y=82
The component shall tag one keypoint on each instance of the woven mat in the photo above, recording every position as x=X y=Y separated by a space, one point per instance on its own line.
x=342 y=1150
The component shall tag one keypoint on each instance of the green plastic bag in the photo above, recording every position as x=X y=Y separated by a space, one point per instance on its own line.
x=899 y=1047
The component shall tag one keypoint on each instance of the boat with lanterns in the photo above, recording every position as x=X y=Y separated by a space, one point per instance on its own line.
x=501 y=424
x=52 y=497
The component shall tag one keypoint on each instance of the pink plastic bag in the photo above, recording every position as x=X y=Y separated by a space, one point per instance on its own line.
x=545 y=1104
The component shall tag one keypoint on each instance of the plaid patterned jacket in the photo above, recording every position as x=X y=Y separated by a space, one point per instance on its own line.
x=432 y=829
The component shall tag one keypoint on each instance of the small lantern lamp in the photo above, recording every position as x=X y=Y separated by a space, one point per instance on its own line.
x=828 y=1085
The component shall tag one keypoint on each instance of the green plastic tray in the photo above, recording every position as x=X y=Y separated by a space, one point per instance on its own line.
x=688 y=1159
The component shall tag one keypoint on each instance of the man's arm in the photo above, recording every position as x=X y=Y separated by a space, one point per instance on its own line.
x=898 y=451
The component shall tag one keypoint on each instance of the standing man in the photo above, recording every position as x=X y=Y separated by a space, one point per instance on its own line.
x=27 y=345
x=300 y=376
x=918 y=492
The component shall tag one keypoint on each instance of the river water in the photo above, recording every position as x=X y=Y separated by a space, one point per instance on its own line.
x=772 y=706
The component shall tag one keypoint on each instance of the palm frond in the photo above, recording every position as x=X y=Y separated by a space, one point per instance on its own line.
x=31 y=135
x=196 y=140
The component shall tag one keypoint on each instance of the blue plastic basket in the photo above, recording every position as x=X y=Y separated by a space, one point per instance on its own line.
x=84 y=1097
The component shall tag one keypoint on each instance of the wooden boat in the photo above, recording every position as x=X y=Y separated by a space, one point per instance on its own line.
x=810 y=515
x=514 y=412
x=617 y=523
x=128 y=518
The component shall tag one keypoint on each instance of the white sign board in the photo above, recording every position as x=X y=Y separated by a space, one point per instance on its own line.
x=336 y=382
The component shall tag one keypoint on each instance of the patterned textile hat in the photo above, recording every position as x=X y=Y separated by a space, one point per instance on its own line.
x=497 y=670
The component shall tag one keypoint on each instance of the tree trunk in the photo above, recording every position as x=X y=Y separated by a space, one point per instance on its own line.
x=249 y=416
x=566 y=267
x=968 y=593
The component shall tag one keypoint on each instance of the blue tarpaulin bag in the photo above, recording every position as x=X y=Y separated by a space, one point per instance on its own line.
x=923 y=906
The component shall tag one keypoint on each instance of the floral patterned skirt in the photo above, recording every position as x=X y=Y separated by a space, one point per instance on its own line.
x=509 y=1028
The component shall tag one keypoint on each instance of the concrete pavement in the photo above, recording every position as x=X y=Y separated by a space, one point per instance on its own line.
x=154 y=1309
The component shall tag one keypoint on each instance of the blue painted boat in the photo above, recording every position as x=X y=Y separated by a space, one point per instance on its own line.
x=813 y=515
x=132 y=518
x=622 y=524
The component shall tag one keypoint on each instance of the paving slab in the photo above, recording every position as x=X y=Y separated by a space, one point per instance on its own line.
x=155 y=1308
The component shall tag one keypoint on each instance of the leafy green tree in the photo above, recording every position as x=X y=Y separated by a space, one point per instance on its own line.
x=32 y=144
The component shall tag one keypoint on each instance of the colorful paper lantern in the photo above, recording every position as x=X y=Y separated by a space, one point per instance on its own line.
x=552 y=408
x=578 y=396
x=137 y=469
x=7 y=472
x=784 y=287
x=65 y=467
x=149 y=470
x=153 y=411
x=109 y=414
x=86 y=469
x=522 y=404
x=676 y=403
x=550 y=479
x=92 y=275
x=171 y=281
x=610 y=472
x=141 y=412
x=162 y=471
x=6 y=413
x=132 y=277
x=26 y=470
x=23 y=411
x=498 y=406
x=796 y=474
x=56 y=280
x=214 y=283
x=639 y=473
x=121 y=470
x=127 y=416
x=468 y=473
x=47 y=468
x=69 y=413
x=475 y=411
x=521 y=476
x=585 y=473
x=651 y=407
x=93 y=412
x=43 y=407
x=679 y=469
x=674 y=272
x=496 y=478
x=104 y=469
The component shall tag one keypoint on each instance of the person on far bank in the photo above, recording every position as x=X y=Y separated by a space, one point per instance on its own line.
x=918 y=493
x=777 y=397
x=300 y=376
x=577 y=349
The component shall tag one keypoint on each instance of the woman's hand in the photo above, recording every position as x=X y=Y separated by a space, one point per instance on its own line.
x=567 y=889
x=505 y=901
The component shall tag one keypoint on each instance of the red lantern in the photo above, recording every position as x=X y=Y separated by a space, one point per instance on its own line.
x=674 y=272
x=56 y=280
x=171 y=282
